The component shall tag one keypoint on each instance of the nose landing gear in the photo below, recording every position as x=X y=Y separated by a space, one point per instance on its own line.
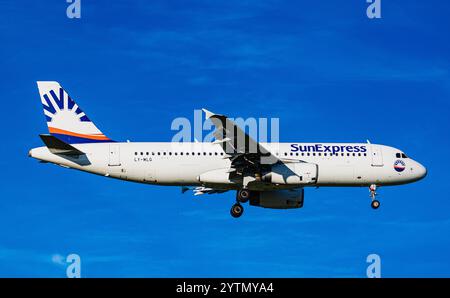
x=373 y=194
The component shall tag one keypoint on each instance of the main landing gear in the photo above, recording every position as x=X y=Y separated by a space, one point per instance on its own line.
x=242 y=196
x=373 y=194
x=237 y=210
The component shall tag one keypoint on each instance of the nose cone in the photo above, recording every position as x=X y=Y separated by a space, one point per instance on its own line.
x=420 y=171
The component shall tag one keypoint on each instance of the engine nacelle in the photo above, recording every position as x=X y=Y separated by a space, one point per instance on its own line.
x=292 y=174
x=278 y=199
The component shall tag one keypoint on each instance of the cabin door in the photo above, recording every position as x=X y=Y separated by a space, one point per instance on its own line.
x=114 y=155
x=377 y=156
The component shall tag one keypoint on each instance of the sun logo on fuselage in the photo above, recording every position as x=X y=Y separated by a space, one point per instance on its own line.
x=55 y=104
x=399 y=165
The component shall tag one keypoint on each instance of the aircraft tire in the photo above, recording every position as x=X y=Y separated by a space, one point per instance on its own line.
x=236 y=210
x=243 y=195
x=375 y=204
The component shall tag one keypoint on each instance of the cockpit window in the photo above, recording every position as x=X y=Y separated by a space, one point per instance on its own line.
x=404 y=155
x=398 y=155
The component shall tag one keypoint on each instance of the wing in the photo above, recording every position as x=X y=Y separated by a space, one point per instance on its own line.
x=247 y=156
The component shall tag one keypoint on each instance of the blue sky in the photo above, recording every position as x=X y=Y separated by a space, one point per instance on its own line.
x=326 y=70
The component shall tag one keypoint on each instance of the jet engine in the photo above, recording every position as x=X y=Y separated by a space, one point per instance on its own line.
x=278 y=199
x=292 y=173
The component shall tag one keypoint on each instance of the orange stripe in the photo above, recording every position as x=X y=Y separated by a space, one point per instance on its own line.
x=69 y=133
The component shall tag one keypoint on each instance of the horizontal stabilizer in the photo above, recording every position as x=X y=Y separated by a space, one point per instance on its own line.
x=57 y=146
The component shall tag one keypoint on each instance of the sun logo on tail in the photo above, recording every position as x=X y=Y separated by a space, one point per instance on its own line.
x=54 y=104
x=65 y=119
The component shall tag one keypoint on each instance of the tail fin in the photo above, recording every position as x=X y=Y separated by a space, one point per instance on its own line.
x=65 y=119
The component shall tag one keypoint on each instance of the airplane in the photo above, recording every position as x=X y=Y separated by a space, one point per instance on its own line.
x=269 y=175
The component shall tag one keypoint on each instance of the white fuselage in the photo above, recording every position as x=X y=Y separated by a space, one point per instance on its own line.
x=338 y=164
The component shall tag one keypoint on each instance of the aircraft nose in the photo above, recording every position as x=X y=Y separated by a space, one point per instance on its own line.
x=421 y=171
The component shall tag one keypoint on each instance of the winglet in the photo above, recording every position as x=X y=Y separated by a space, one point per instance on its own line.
x=208 y=114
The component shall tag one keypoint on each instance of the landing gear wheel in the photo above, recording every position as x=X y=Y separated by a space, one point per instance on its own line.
x=243 y=195
x=373 y=194
x=236 y=210
x=375 y=204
